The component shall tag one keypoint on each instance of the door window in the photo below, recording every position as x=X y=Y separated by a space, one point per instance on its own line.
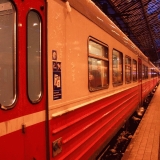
x=7 y=54
x=34 y=56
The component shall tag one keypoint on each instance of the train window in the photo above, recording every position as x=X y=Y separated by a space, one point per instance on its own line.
x=134 y=70
x=34 y=56
x=139 y=70
x=117 y=65
x=146 y=72
x=7 y=54
x=98 y=66
x=127 y=69
x=151 y=73
x=143 y=71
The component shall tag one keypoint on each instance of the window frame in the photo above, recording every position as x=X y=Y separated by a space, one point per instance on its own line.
x=143 y=71
x=134 y=80
x=105 y=60
x=140 y=70
x=116 y=84
x=146 y=72
x=40 y=62
x=14 y=61
x=126 y=65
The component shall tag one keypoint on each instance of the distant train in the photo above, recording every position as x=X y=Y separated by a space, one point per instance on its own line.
x=69 y=79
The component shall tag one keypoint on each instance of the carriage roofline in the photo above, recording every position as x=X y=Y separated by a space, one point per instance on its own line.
x=93 y=13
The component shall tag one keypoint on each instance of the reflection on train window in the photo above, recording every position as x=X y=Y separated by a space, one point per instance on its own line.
x=34 y=56
x=134 y=70
x=98 y=66
x=153 y=73
x=117 y=62
x=127 y=69
x=143 y=71
x=146 y=72
x=139 y=70
x=7 y=53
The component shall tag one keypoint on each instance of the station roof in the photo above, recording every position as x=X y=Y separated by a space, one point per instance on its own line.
x=139 y=20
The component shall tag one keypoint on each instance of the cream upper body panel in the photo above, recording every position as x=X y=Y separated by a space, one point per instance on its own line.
x=70 y=24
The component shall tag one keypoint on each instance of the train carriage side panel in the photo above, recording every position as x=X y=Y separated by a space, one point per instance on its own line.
x=146 y=79
x=80 y=120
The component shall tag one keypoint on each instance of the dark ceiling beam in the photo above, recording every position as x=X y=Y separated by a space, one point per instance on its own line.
x=122 y=27
x=135 y=23
x=149 y=29
x=146 y=4
x=141 y=32
x=131 y=18
x=126 y=4
x=133 y=5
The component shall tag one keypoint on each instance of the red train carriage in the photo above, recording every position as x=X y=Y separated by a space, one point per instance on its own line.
x=69 y=79
x=23 y=79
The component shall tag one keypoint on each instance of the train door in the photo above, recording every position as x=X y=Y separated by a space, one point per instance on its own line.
x=23 y=82
x=11 y=138
x=32 y=45
x=35 y=104
x=140 y=79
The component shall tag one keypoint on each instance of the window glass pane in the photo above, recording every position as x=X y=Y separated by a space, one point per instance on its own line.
x=7 y=53
x=143 y=72
x=117 y=62
x=146 y=72
x=34 y=56
x=139 y=70
x=153 y=73
x=98 y=49
x=98 y=74
x=128 y=69
x=98 y=66
x=134 y=70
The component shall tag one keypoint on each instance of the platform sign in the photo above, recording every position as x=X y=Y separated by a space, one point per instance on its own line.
x=57 y=88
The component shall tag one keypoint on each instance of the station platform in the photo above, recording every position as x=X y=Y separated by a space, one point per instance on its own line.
x=145 y=144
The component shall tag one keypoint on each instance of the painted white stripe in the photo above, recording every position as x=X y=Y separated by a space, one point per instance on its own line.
x=16 y=124
x=69 y=106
